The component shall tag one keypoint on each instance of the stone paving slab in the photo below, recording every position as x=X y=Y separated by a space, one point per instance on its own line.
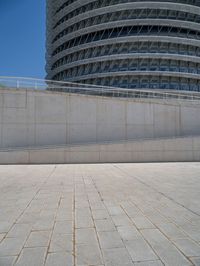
x=100 y=215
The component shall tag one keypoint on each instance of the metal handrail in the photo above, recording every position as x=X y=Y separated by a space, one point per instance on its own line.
x=70 y=87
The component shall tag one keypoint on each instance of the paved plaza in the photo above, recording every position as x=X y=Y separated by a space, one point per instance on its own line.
x=95 y=215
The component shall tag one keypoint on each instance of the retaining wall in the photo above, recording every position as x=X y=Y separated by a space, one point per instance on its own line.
x=37 y=118
x=161 y=150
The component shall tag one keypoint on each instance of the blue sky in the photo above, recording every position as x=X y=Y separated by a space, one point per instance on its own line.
x=22 y=39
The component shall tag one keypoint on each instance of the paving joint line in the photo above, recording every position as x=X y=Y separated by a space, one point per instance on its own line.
x=161 y=193
x=173 y=244
x=53 y=170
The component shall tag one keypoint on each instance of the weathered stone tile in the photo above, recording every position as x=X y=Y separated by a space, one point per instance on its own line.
x=64 y=215
x=5 y=226
x=48 y=213
x=63 y=227
x=86 y=236
x=156 y=218
x=115 y=210
x=11 y=246
x=142 y=222
x=34 y=209
x=19 y=230
x=108 y=194
x=59 y=259
x=2 y=237
x=82 y=212
x=128 y=232
x=171 y=231
x=121 y=220
x=84 y=222
x=133 y=212
x=149 y=263
x=140 y=250
x=28 y=218
x=188 y=247
x=192 y=230
x=117 y=257
x=81 y=204
x=196 y=261
x=110 y=240
x=61 y=242
x=88 y=255
x=97 y=206
x=38 y=239
x=32 y=257
x=67 y=200
x=105 y=225
x=167 y=252
x=8 y=261
x=43 y=225
x=100 y=214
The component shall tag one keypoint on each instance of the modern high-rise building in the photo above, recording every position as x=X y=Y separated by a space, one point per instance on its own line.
x=125 y=43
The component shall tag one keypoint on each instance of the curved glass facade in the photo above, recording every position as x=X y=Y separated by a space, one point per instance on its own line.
x=125 y=43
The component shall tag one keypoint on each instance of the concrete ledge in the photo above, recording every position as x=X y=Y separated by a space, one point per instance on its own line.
x=185 y=149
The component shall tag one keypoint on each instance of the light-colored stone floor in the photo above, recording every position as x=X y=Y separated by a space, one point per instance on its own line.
x=113 y=215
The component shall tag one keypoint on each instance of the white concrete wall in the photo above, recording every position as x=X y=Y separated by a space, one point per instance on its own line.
x=34 y=118
x=161 y=150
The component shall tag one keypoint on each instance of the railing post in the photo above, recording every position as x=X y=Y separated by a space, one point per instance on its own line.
x=17 y=84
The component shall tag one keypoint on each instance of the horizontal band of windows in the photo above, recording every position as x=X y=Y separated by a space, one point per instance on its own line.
x=128 y=31
x=108 y=16
x=126 y=15
x=140 y=82
x=132 y=25
x=123 y=83
x=151 y=39
x=114 y=2
x=194 y=77
x=132 y=50
x=135 y=66
x=139 y=62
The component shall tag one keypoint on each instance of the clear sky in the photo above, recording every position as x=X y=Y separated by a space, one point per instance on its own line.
x=22 y=38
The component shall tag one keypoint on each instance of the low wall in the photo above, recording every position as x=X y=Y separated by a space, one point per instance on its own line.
x=38 y=118
x=160 y=150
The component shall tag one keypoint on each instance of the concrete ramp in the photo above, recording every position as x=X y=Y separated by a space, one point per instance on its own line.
x=183 y=149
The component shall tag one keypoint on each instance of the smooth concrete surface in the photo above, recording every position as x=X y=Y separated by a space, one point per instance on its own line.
x=100 y=215
x=38 y=118
x=185 y=149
